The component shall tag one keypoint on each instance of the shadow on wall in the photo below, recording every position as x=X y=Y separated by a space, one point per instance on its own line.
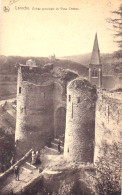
x=60 y=121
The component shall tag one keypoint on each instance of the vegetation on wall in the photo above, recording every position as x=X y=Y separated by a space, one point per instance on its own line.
x=108 y=171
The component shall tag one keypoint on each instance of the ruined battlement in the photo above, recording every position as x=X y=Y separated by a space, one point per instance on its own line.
x=112 y=95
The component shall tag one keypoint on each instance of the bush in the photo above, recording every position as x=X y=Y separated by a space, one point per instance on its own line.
x=108 y=171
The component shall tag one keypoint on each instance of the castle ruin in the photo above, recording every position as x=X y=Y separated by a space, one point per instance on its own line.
x=48 y=107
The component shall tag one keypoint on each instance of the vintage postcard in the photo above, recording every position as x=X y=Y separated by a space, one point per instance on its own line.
x=60 y=97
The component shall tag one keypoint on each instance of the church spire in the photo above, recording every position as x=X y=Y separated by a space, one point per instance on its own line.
x=95 y=57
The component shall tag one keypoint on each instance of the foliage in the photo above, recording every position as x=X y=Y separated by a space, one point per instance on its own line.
x=65 y=188
x=108 y=171
x=117 y=26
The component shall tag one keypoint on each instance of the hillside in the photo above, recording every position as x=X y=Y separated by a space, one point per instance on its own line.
x=111 y=63
x=8 y=64
x=8 y=71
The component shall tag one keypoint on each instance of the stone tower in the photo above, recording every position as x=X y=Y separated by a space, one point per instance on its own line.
x=95 y=67
x=35 y=120
x=20 y=133
x=80 y=121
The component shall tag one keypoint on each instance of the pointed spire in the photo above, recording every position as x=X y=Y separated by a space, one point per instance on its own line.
x=95 y=58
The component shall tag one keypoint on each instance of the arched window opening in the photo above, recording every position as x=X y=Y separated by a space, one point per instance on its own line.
x=69 y=98
x=95 y=73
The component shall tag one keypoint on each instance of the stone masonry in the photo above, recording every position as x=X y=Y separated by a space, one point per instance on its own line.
x=80 y=121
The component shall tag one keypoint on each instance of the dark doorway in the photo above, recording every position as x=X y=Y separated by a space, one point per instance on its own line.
x=60 y=121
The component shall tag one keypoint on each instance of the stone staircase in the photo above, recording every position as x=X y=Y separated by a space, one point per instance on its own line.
x=53 y=149
x=50 y=151
x=28 y=167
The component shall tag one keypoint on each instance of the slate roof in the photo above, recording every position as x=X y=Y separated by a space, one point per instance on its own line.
x=95 y=57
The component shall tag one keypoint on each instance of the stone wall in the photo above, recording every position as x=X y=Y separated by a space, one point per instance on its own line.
x=108 y=121
x=80 y=121
x=58 y=102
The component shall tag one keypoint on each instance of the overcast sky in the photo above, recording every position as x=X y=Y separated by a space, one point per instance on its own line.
x=63 y=32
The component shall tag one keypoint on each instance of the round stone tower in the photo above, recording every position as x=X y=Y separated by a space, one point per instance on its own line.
x=80 y=121
x=20 y=133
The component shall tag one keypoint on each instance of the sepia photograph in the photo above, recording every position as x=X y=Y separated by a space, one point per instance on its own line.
x=60 y=97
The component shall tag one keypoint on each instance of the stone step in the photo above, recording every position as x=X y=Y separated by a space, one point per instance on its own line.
x=27 y=170
x=30 y=166
x=61 y=137
x=51 y=151
x=56 y=141
x=55 y=146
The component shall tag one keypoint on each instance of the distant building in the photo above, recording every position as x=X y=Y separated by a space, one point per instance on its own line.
x=52 y=58
x=95 y=67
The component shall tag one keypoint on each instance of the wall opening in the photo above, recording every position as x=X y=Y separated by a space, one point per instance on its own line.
x=78 y=100
x=69 y=98
x=19 y=90
x=72 y=110
x=95 y=73
x=60 y=121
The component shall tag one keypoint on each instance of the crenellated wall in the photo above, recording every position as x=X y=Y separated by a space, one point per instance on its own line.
x=108 y=120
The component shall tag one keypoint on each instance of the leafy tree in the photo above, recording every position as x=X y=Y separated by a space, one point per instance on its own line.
x=116 y=21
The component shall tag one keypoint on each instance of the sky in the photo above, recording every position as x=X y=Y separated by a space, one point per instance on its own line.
x=68 y=29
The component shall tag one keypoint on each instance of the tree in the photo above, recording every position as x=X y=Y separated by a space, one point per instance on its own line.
x=116 y=21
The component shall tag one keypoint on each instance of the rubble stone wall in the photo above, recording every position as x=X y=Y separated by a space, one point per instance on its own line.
x=108 y=121
x=35 y=120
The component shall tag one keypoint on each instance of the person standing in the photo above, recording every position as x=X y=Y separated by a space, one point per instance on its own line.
x=37 y=158
x=33 y=158
x=16 y=172
x=59 y=146
x=12 y=161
